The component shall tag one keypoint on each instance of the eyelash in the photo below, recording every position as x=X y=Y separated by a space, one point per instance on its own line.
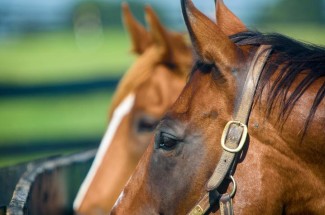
x=204 y=67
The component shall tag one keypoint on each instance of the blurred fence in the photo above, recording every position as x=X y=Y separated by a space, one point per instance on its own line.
x=9 y=90
x=47 y=187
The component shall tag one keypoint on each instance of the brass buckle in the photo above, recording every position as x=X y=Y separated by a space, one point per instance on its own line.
x=242 y=139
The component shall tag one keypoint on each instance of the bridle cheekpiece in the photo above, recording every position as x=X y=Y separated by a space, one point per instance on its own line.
x=233 y=139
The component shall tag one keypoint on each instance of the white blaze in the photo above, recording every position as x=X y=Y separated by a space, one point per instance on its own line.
x=119 y=199
x=119 y=113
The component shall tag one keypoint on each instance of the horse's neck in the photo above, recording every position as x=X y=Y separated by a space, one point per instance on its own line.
x=287 y=137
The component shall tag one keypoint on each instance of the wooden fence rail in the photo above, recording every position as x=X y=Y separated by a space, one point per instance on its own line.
x=49 y=187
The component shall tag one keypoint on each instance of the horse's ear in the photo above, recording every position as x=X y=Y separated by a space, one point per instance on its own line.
x=139 y=36
x=210 y=43
x=228 y=22
x=158 y=33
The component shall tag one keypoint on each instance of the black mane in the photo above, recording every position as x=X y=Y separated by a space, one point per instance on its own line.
x=296 y=58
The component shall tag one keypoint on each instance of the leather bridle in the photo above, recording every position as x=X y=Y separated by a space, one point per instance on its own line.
x=232 y=141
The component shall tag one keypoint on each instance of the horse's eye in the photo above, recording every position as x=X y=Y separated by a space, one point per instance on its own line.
x=167 y=141
x=146 y=125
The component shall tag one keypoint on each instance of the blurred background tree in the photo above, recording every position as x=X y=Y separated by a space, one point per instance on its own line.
x=293 y=11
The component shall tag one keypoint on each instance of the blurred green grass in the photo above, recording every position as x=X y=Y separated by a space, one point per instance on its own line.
x=304 y=32
x=53 y=118
x=60 y=57
x=41 y=119
x=49 y=58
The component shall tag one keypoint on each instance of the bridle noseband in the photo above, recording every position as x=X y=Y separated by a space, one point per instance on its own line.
x=232 y=141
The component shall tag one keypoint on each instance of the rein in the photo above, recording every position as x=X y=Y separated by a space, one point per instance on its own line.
x=233 y=140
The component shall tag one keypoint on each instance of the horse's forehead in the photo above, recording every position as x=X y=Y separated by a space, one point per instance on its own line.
x=144 y=62
x=143 y=71
x=137 y=74
x=159 y=91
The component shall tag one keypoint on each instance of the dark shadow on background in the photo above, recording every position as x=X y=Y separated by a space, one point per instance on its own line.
x=57 y=89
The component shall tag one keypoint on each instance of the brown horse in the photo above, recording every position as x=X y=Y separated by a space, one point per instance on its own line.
x=146 y=91
x=280 y=169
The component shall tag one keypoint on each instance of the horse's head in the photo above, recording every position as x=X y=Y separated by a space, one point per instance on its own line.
x=144 y=94
x=176 y=169
x=186 y=149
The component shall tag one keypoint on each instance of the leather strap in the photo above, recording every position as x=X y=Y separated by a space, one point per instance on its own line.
x=234 y=136
x=225 y=204
x=235 y=132
x=225 y=163
x=210 y=198
x=202 y=206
